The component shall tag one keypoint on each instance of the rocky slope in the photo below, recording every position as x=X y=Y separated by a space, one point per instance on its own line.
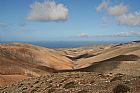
x=19 y=61
x=77 y=82
x=35 y=55
x=26 y=60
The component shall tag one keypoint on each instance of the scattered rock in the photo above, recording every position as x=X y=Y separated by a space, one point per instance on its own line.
x=121 y=89
x=82 y=91
x=87 y=82
x=70 y=85
x=51 y=90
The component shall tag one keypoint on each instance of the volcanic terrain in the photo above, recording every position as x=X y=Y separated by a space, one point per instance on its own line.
x=106 y=68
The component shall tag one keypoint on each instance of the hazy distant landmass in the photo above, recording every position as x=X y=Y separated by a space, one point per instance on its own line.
x=68 y=44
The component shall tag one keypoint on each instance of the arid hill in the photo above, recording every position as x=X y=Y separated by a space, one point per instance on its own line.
x=28 y=60
x=111 y=58
x=19 y=61
x=35 y=55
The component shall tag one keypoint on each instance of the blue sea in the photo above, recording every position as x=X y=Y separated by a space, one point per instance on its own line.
x=69 y=44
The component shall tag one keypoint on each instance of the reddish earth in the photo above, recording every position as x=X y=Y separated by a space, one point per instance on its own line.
x=77 y=82
x=19 y=61
x=9 y=79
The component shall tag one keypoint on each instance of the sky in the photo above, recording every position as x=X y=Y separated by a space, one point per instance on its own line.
x=69 y=20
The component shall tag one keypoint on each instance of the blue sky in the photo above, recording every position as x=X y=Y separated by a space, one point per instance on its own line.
x=74 y=20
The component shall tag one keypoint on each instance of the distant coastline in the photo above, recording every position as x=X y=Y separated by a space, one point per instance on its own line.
x=68 y=44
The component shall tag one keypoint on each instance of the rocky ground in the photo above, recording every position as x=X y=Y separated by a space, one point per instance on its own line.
x=77 y=82
x=111 y=68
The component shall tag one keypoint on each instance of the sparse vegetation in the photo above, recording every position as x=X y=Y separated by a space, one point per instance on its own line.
x=82 y=91
x=121 y=89
x=70 y=85
x=87 y=72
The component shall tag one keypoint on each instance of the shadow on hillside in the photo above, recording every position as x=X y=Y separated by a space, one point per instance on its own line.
x=124 y=58
x=86 y=55
x=109 y=64
x=44 y=68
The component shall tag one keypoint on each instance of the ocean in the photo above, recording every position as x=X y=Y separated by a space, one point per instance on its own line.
x=69 y=44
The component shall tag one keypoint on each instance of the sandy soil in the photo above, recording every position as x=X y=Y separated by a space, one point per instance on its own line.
x=77 y=82
x=19 y=61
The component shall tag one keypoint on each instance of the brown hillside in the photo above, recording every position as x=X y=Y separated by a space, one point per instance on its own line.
x=106 y=55
x=21 y=61
x=35 y=55
x=26 y=60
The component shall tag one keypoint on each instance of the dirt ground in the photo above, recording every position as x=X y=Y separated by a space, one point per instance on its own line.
x=77 y=82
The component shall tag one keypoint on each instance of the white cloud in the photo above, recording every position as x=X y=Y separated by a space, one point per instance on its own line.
x=131 y=19
x=3 y=25
x=121 y=34
x=83 y=35
x=47 y=11
x=128 y=34
x=21 y=24
x=120 y=11
x=117 y=10
x=102 y=6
